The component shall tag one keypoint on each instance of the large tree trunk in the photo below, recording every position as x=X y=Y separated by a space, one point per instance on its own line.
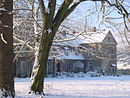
x=6 y=50
x=40 y=69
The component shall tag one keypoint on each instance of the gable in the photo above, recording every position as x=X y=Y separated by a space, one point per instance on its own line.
x=109 y=39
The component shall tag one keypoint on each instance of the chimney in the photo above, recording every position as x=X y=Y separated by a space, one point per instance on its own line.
x=73 y=32
x=64 y=33
x=94 y=29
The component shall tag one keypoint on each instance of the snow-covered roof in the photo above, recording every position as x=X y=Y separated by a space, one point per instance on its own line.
x=93 y=37
x=89 y=37
x=74 y=42
x=72 y=55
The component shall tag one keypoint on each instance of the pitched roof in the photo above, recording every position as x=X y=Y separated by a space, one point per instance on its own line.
x=89 y=37
x=73 y=42
x=93 y=37
x=72 y=55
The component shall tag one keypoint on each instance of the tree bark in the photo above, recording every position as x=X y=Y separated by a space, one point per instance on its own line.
x=38 y=78
x=6 y=50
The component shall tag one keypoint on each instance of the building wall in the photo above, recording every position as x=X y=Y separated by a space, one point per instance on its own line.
x=23 y=67
x=66 y=65
x=93 y=65
x=103 y=55
x=97 y=57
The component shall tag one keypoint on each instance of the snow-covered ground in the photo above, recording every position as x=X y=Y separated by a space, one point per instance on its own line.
x=79 y=87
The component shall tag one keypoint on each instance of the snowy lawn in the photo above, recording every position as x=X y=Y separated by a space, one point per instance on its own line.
x=79 y=87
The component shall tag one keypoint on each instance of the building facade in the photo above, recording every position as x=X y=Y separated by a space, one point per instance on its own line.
x=96 y=52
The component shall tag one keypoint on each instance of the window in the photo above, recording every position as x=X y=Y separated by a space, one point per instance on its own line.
x=90 y=51
x=109 y=39
x=112 y=51
x=66 y=53
x=91 y=66
x=66 y=50
x=103 y=52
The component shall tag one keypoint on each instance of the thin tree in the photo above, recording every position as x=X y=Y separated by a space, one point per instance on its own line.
x=6 y=49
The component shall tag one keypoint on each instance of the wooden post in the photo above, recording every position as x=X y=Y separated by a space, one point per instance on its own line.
x=54 y=67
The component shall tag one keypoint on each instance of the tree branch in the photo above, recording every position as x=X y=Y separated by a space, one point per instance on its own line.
x=71 y=9
x=23 y=43
x=51 y=6
x=61 y=12
x=43 y=10
x=69 y=39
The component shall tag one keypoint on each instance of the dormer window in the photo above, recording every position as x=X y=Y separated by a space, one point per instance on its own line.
x=76 y=52
x=66 y=50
